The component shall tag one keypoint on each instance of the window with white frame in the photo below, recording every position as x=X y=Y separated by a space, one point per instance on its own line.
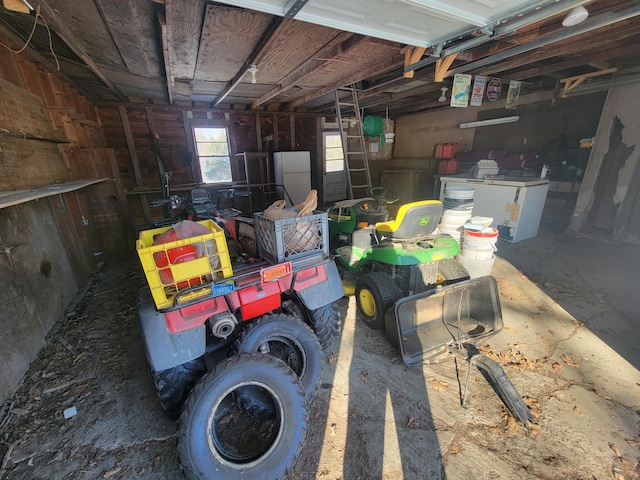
x=334 y=157
x=212 y=148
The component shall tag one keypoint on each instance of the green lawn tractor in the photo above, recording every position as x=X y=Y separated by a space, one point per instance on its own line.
x=391 y=259
x=409 y=283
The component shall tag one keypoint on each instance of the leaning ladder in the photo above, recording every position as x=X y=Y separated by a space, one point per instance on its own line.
x=353 y=145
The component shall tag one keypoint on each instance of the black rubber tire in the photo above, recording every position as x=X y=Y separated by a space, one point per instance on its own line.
x=385 y=293
x=211 y=421
x=174 y=384
x=451 y=271
x=326 y=323
x=289 y=339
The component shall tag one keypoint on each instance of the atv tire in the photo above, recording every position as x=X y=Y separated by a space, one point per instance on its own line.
x=325 y=321
x=289 y=339
x=451 y=271
x=217 y=440
x=174 y=384
x=376 y=292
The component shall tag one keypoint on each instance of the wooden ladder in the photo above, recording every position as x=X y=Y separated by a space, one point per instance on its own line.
x=353 y=146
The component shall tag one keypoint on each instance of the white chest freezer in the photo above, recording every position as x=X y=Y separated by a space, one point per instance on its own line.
x=515 y=204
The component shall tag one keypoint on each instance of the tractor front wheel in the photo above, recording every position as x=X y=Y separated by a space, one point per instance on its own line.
x=451 y=271
x=376 y=292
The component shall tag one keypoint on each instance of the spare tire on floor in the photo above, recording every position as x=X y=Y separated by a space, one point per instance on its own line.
x=219 y=440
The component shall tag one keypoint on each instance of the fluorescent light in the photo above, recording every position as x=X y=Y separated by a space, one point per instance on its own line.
x=491 y=121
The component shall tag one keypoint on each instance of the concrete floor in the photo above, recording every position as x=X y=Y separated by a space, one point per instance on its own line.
x=570 y=346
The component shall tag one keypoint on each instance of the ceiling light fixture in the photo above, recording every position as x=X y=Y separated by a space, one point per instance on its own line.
x=491 y=121
x=253 y=69
x=443 y=97
x=575 y=16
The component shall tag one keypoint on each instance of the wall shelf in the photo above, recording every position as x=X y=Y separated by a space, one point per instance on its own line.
x=9 y=199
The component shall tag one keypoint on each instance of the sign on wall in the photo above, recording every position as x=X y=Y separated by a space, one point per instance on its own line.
x=460 y=90
x=478 y=90
x=494 y=88
x=513 y=95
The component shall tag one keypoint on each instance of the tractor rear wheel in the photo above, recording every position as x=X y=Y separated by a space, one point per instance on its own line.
x=376 y=292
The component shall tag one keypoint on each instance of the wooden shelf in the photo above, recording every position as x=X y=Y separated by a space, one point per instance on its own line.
x=9 y=199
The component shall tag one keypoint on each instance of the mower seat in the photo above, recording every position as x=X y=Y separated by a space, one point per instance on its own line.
x=417 y=219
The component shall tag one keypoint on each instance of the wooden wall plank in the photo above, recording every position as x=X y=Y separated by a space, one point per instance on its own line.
x=21 y=111
x=29 y=163
x=30 y=75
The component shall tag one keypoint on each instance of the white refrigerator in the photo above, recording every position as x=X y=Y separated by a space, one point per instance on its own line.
x=293 y=170
x=515 y=204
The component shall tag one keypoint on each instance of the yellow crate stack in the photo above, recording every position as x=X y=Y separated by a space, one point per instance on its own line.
x=213 y=265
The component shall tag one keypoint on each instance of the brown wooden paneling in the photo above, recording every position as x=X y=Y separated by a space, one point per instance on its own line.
x=21 y=111
x=104 y=205
x=29 y=163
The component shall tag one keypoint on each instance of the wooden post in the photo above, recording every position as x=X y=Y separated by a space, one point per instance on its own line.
x=134 y=160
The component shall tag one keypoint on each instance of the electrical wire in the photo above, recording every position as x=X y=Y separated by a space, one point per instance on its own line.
x=33 y=30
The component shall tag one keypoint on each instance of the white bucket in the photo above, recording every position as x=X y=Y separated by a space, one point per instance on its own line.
x=476 y=254
x=480 y=240
x=477 y=267
x=459 y=193
x=389 y=137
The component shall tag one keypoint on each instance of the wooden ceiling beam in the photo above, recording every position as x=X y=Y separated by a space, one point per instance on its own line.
x=68 y=37
x=583 y=46
x=388 y=64
x=584 y=59
x=262 y=46
x=338 y=47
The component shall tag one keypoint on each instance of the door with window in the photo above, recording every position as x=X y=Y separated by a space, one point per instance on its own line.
x=334 y=170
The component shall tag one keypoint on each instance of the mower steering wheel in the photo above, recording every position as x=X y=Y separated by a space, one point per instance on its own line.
x=384 y=195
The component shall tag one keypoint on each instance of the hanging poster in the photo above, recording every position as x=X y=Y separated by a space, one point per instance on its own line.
x=494 y=87
x=513 y=95
x=460 y=90
x=478 y=90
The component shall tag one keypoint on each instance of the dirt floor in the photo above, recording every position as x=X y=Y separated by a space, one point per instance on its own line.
x=570 y=346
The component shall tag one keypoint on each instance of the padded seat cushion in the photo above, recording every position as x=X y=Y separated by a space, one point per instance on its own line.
x=416 y=219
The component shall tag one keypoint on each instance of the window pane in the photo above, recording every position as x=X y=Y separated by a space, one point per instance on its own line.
x=215 y=169
x=334 y=153
x=335 y=165
x=203 y=134
x=211 y=149
x=333 y=141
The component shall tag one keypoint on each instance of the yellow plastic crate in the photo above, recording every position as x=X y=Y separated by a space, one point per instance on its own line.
x=173 y=266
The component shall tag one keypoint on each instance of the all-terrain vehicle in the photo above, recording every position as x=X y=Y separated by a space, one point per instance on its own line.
x=257 y=327
x=409 y=283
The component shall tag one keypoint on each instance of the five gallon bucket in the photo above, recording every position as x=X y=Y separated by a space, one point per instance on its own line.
x=458 y=207
x=478 y=248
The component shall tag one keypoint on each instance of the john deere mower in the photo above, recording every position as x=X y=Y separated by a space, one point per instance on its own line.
x=409 y=283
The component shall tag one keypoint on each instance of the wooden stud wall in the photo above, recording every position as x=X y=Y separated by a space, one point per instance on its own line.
x=247 y=129
x=53 y=132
